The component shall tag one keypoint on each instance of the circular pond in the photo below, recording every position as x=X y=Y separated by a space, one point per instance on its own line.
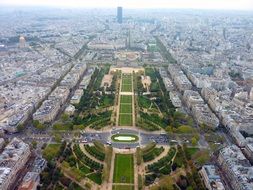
x=124 y=138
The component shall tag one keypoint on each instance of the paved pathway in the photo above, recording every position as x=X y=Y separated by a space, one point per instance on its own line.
x=109 y=186
x=135 y=173
x=116 y=106
x=126 y=93
x=141 y=171
x=133 y=98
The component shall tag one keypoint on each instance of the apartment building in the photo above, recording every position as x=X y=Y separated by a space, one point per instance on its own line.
x=13 y=158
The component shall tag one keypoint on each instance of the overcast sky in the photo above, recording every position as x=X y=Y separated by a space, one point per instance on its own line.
x=195 y=4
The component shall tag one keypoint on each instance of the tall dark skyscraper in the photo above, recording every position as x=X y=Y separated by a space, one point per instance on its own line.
x=119 y=14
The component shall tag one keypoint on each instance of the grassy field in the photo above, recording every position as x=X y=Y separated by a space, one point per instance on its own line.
x=125 y=111
x=123 y=187
x=125 y=117
x=51 y=151
x=126 y=99
x=127 y=79
x=96 y=177
x=191 y=150
x=125 y=120
x=144 y=102
x=125 y=108
x=126 y=83
x=126 y=88
x=123 y=168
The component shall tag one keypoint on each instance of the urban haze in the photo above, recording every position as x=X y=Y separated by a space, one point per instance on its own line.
x=126 y=96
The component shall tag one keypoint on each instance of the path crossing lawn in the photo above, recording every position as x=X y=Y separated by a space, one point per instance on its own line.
x=126 y=79
x=125 y=108
x=123 y=168
x=126 y=99
x=123 y=187
x=125 y=120
x=126 y=83
x=126 y=88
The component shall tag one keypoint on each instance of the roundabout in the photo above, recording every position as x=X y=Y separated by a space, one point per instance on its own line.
x=125 y=138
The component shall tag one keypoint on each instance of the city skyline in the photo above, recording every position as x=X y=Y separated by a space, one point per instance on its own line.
x=181 y=4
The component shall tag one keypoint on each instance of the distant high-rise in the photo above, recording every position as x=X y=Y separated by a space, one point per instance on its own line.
x=129 y=39
x=119 y=14
x=251 y=94
x=22 y=42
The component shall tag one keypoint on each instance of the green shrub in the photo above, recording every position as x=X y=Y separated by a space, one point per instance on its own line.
x=140 y=182
x=166 y=169
x=148 y=147
x=138 y=156
x=185 y=129
x=96 y=177
x=92 y=150
x=152 y=154
x=51 y=151
x=86 y=160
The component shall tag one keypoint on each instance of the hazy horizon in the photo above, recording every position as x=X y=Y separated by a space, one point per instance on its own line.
x=137 y=4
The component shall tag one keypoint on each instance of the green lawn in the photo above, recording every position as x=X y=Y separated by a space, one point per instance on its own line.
x=123 y=168
x=96 y=177
x=185 y=129
x=144 y=102
x=62 y=126
x=126 y=99
x=191 y=150
x=125 y=108
x=72 y=171
x=84 y=169
x=106 y=101
x=126 y=88
x=51 y=151
x=125 y=112
x=126 y=79
x=126 y=83
x=123 y=187
x=125 y=120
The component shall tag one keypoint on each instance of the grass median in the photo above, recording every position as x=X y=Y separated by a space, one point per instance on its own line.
x=123 y=168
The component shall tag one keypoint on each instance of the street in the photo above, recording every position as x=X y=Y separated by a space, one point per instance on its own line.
x=105 y=138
